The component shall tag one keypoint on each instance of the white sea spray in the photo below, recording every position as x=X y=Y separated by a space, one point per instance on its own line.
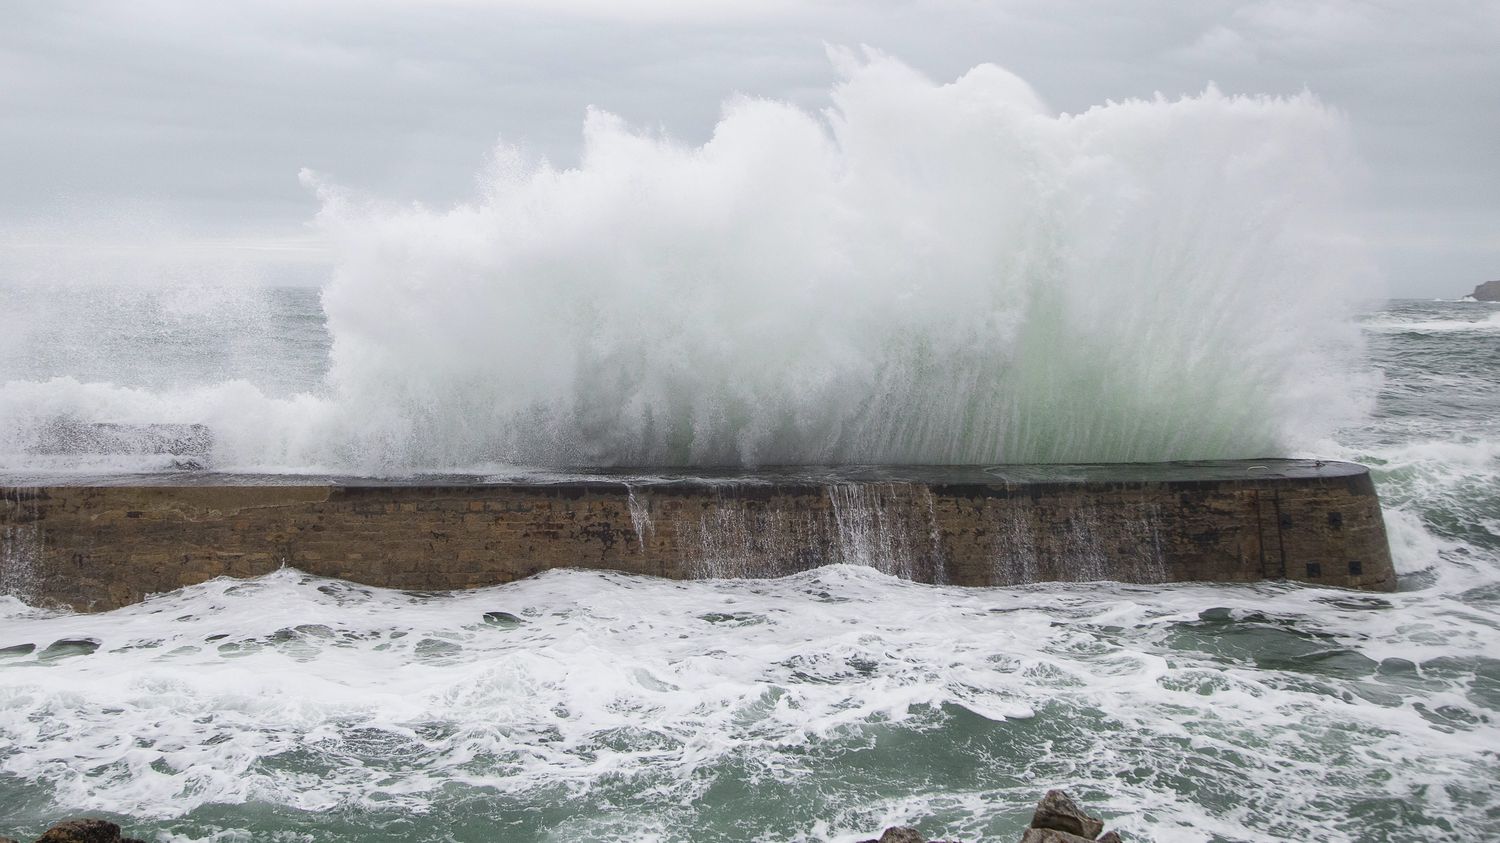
x=923 y=272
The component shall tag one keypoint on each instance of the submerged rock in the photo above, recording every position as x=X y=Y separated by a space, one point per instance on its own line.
x=85 y=831
x=901 y=834
x=1057 y=819
x=1058 y=812
x=504 y=620
x=1052 y=835
x=1488 y=291
x=1048 y=835
x=68 y=647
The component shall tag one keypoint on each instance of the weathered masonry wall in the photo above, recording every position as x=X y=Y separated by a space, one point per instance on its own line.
x=95 y=547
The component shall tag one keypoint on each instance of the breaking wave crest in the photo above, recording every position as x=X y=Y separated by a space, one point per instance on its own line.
x=922 y=273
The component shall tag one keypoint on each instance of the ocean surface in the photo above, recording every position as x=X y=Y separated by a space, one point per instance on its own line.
x=822 y=706
x=922 y=273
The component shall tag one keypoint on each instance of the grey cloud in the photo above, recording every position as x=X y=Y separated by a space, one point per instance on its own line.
x=202 y=114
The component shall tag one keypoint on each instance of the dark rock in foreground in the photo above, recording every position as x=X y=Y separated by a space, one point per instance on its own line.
x=1057 y=819
x=85 y=831
x=1057 y=812
x=903 y=834
x=900 y=834
x=1048 y=835
x=1488 y=291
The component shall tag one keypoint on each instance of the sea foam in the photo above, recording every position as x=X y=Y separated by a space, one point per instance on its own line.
x=695 y=710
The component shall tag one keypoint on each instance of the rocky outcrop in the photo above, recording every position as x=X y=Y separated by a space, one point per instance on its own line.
x=85 y=831
x=900 y=834
x=1488 y=291
x=904 y=834
x=1058 y=819
x=1059 y=813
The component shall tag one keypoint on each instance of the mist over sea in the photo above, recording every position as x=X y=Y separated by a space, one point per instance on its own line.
x=927 y=273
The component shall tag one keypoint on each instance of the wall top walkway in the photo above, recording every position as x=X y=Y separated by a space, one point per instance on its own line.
x=1187 y=471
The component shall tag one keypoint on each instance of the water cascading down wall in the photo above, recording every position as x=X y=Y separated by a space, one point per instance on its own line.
x=96 y=547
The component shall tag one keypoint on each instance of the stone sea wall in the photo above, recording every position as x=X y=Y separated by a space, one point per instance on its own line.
x=101 y=546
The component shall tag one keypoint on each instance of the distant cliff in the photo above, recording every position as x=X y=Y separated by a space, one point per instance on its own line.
x=1488 y=291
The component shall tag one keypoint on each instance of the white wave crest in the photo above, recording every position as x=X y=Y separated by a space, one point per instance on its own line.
x=1489 y=323
x=924 y=272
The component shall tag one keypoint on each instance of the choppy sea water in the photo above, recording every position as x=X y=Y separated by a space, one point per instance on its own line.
x=823 y=706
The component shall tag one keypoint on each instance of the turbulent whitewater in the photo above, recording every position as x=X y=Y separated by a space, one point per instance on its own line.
x=920 y=273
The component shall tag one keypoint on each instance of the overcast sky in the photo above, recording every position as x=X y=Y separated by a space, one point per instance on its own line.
x=191 y=119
